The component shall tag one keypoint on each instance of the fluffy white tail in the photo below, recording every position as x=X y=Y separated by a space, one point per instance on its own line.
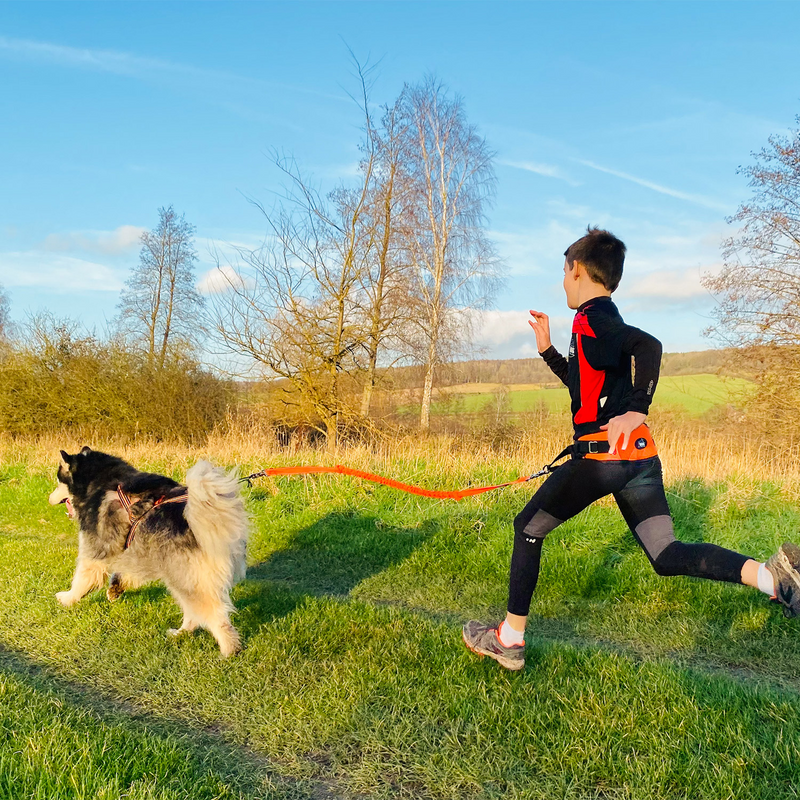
x=216 y=514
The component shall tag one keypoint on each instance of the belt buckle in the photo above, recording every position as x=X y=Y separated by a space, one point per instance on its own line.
x=593 y=444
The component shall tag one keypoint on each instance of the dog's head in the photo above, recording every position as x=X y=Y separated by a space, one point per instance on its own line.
x=67 y=468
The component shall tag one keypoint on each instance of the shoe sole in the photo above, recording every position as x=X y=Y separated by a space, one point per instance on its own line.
x=789 y=557
x=513 y=666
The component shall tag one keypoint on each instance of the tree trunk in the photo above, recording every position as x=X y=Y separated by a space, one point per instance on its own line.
x=369 y=386
x=427 y=391
x=331 y=434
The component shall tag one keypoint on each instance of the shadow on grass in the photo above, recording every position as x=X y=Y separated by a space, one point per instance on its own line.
x=204 y=755
x=330 y=557
x=690 y=503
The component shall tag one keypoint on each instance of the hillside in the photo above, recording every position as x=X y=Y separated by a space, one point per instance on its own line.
x=535 y=371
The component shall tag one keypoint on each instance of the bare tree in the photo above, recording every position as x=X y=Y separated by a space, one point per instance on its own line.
x=385 y=283
x=159 y=306
x=455 y=267
x=759 y=286
x=758 y=289
x=293 y=305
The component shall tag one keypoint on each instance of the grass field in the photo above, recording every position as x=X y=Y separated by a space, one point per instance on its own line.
x=693 y=395
x=354 y=682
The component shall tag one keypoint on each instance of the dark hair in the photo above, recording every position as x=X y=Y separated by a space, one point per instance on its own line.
x=602 y=254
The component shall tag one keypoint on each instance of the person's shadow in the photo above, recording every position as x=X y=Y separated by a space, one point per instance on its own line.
x=329 y=557
x=690 y=501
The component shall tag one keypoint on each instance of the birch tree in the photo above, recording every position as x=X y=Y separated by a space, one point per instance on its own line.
x=455 y=267
x=385 y=281
x=159 y=306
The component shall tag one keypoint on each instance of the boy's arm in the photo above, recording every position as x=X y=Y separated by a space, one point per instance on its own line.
x=646 y=352
x=557 y=363
x=541 y=327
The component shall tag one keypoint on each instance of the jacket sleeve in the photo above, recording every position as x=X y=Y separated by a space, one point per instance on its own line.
x=557 y=363
x=646 y=352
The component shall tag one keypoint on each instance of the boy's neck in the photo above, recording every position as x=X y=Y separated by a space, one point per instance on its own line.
x=591 y=291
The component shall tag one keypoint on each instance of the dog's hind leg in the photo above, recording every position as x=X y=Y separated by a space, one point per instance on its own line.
x=89 y=574
x=189 y=623
x=208 y=611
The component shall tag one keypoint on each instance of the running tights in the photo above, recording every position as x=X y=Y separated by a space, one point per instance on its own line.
x=638 y=489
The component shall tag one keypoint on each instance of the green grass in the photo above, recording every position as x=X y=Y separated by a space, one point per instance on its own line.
x=354 y=681
x=694 y=395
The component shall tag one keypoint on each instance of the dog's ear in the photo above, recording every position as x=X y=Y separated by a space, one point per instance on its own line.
x=65 y=458
x=85 y=450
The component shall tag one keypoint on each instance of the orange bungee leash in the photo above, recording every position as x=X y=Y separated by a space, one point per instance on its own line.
x=640 y=446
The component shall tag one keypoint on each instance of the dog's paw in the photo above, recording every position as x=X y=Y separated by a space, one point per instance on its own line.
x=172 y=632
x=230 y=646
x=66 y=599
x=114 y=592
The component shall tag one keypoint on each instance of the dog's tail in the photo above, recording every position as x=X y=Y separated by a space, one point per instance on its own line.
x=216 y=514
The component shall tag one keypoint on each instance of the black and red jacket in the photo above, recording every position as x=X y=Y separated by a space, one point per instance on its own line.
x=598 y=372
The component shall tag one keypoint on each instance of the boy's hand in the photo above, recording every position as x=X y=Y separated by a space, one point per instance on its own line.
x=622 y=426
x=541 y=327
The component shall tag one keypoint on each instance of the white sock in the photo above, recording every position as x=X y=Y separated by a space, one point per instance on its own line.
x=766 y=582
x=508 y=636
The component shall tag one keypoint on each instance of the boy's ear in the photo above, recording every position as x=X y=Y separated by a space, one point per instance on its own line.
x=85 y=450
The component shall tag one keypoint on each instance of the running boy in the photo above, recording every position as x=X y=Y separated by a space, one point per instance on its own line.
x=613 y=453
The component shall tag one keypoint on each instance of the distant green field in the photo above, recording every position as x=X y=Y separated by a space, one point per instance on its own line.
x=693 y=394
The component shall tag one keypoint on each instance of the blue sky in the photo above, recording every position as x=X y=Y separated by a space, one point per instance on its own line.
x=633 y=116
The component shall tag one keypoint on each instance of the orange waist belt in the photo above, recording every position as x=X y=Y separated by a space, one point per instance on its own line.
x=640 y=446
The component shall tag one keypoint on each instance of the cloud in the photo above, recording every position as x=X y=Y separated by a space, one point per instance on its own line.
x=671 y=285
x=506 y=334
x=141 y=67
x=538 y=249
x=220 y=280
x=121 y=240
x=656 y=187
x=546 y=170
x=58 y=274
x=498 y=327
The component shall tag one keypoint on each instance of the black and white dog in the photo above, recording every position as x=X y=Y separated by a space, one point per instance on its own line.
x=138 y=527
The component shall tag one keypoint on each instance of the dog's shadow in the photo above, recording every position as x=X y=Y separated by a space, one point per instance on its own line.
x=330 y=557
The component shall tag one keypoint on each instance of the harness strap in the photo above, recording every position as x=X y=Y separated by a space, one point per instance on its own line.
x=125 y=502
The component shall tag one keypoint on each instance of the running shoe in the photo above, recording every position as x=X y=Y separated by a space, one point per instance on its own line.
x=785 y=569
x=482 y=639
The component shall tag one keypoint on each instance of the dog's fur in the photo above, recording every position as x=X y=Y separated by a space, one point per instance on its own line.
x=197 y=547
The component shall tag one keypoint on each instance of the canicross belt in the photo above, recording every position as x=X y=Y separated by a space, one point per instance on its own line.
x=595 y=447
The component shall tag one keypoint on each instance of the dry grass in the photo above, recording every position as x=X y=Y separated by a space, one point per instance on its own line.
x=690 y=451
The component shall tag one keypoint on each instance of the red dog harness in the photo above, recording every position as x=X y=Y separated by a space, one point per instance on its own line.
x=126 y=503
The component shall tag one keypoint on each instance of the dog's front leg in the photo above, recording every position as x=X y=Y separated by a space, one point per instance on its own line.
x=89 y=574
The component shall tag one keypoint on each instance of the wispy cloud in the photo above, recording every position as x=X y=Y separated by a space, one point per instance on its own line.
x=546 y=170
x=537 y=249
x=142 y=67
x=123 y=239
x=56 y=274
x=669 y=285
x=657 y=187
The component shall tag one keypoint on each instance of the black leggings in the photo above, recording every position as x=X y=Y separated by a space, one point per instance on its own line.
x=638 y=488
